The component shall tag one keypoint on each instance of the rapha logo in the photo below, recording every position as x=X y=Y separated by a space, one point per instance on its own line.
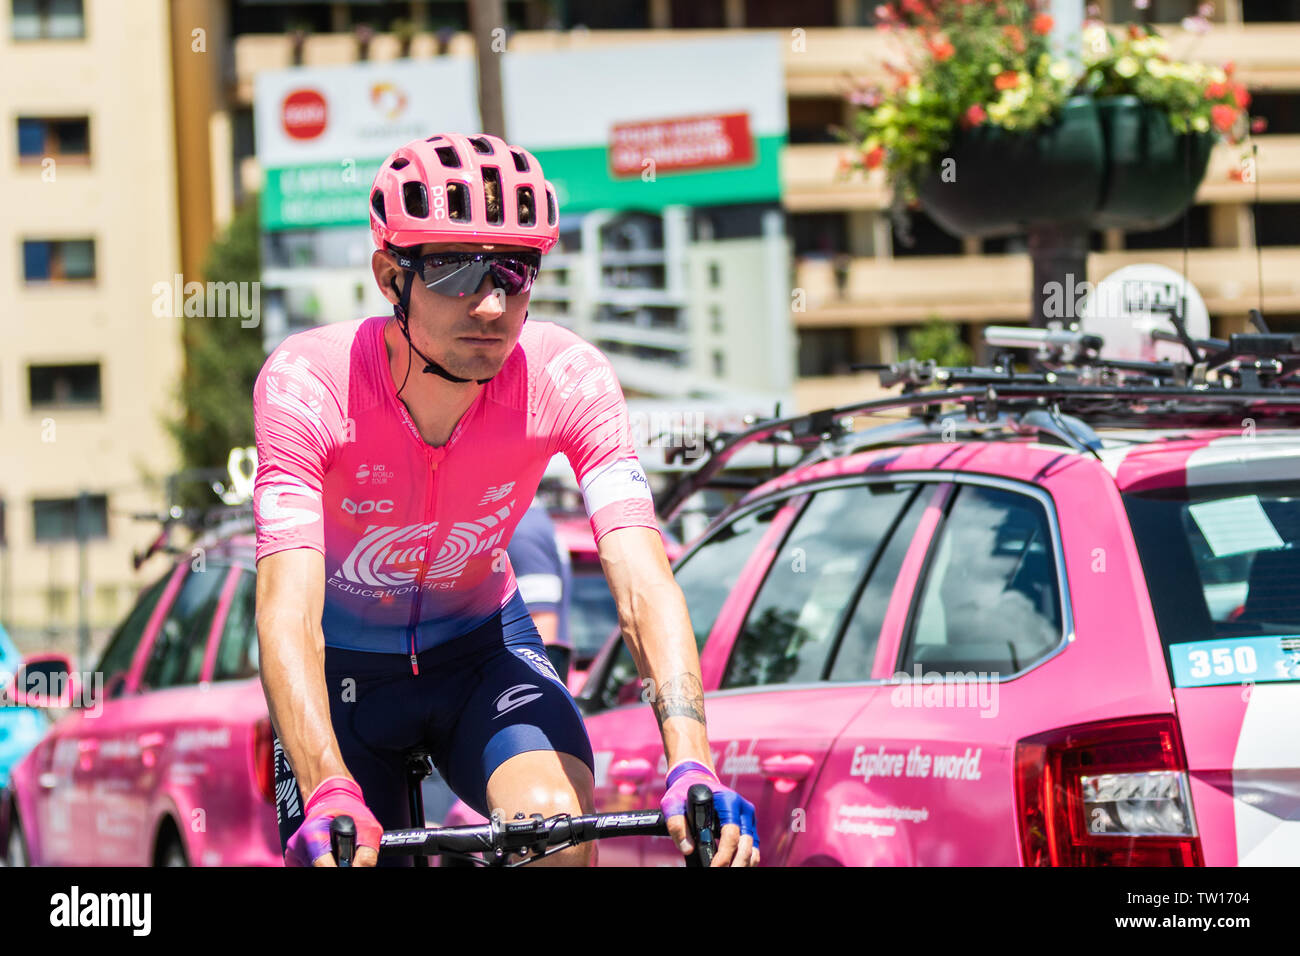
x=514 y=697
x=580 y=366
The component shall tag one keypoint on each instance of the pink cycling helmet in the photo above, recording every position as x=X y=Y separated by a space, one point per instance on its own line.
x=437 y=190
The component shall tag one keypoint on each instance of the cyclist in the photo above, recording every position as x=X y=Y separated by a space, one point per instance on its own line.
x=387 y=612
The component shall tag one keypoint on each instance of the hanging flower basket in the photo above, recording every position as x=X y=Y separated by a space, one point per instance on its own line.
x=1152 y=172
x=1003 y=182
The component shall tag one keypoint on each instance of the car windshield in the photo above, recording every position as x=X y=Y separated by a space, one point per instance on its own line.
x=1223 y=567
x=592 y=611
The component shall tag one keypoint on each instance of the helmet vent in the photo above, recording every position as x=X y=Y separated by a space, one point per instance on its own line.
x=416 y=200
x=521 y=161
x=457 y=202
x=448 y=156
x=526 y=205
x=492 y=195
x=550 y=208
x=377 y=204
x=481 y=145
x=400 y=163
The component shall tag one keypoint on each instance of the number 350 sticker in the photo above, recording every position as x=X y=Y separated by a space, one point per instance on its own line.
x=1232 y=660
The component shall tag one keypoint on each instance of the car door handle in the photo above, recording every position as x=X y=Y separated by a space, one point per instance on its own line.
x=786 y=771
x=630 y=774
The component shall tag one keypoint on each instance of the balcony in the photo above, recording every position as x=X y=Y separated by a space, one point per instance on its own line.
x=997 y=287
x=1266 y=54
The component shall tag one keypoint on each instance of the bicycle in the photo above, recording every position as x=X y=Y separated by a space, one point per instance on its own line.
x=532 y=837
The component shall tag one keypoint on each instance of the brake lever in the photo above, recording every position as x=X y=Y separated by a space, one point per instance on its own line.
x=702 y=824
x=343 y=839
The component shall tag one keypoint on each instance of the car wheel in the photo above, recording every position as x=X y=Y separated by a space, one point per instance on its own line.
x=16 y=845
x=173 y=854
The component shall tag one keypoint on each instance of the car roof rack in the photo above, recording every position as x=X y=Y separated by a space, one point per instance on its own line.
x=1070 y=392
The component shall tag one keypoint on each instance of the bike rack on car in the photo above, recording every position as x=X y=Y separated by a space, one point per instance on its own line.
x=1071 y=391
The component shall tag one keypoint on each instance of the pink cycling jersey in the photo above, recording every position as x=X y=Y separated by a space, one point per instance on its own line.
x=414 y=537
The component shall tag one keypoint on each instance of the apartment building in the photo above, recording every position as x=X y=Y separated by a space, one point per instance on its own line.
x=88 y=185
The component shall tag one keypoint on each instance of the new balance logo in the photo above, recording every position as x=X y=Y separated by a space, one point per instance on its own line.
x=496 y=492
x=514 y=697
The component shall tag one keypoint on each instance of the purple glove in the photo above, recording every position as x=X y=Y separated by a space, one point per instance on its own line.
x=335 y=797
x=730 y=806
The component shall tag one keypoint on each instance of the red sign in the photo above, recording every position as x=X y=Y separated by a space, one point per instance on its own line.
x=304 y=114
x=692 y=142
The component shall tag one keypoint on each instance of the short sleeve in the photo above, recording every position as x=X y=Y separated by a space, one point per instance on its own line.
x=581 y=395
x=296 y=421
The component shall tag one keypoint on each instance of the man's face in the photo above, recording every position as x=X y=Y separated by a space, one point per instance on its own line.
x=469 y=336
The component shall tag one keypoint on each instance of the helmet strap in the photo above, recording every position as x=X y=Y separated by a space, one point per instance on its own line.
x=432 y=367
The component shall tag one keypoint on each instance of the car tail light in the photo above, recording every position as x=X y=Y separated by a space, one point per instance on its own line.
x=1112 y=793
x=264 y=758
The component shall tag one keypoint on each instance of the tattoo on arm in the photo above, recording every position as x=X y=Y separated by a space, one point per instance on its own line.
x=680 y=696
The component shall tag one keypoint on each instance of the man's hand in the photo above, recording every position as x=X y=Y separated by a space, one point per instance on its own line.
x=738 y=842
x=335 y=797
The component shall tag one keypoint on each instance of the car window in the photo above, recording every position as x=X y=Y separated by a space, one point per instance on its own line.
x=177 y=654
x=857 y=648
x=706 y=577
x=1222 y=565
x=790 y=629
x=237 y=652
x=990 y=600
x=116 y=662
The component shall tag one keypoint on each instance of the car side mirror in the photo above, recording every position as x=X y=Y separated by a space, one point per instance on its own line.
x=45 y=680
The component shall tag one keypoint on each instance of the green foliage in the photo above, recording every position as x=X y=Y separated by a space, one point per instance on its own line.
x=222 y=359
x=939 y=340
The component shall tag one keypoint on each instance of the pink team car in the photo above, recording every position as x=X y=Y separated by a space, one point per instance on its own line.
x=1002 y=650
x=171 y=764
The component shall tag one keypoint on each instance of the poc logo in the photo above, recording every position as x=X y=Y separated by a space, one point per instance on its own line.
x=366 y=507
x=439 y=197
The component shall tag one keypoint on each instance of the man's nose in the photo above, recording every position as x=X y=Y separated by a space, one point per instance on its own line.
x=492 y=304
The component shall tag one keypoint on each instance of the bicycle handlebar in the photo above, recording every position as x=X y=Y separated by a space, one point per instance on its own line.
x=537 y=835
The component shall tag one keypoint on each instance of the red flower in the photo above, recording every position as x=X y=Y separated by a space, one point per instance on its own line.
x=1134 y=32
x=1216 y=91
x=1241 y=95
x=1230 y=67
x=1006 y=80
x=1223 y=117
x=1258 y=124
x=940 y=48
x=975 y=116
x=1043 y=24
x=874 y=157
x=914 y=7
x=1017 y=38
x=1236 y=175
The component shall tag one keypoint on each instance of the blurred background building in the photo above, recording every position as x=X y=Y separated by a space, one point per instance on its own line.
x=143 y=110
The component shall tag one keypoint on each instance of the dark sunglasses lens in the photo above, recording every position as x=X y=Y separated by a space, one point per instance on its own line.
x=513 y=275
x=454 y=278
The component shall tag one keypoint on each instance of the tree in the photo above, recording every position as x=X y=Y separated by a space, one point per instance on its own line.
x=222 y=359
x=940 y=340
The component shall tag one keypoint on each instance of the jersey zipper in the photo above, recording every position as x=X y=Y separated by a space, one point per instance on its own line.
x=424 y=560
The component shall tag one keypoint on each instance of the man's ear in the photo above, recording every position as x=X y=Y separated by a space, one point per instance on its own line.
x=385 y=273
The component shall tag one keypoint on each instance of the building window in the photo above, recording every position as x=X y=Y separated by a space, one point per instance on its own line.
x=719 y=364
x=61 y=138
x=55 y=519
x=827 y=351
x=70 y=260
x=715 y=319
x=48 y=20
x=60 y=386
x=715 y=274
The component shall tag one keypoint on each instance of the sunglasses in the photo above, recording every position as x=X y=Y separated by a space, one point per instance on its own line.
x=461 y=273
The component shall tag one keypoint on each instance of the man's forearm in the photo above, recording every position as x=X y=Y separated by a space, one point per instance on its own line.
x=293 y=676
x=658 y=632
